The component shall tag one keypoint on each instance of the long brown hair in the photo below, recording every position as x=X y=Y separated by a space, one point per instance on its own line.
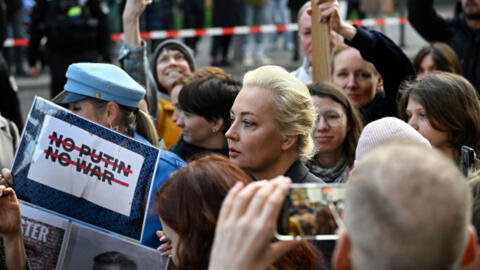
x=330 y=90
x=443 y=56
x=451 y=104
x=189 y=203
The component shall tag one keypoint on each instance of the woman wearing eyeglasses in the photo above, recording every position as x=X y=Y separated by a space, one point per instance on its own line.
x=336 y=133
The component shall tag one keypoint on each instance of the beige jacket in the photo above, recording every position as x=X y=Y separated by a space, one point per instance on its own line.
x=9 y=140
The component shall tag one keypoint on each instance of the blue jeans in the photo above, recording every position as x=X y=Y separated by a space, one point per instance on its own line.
x=254 y=15
x=279 y=14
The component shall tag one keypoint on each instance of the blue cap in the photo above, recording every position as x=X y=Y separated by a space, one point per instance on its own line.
x=101 y=81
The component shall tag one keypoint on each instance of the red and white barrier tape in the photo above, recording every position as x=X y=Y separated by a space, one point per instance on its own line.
x=220 y=31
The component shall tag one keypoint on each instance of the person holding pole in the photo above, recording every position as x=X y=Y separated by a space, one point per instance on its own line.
x=305 y=32
x=370 y=67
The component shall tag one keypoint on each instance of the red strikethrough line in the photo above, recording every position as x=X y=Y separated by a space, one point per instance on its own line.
x=92 y=154
x=84 y=167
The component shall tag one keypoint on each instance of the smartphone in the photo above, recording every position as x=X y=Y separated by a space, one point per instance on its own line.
x=311 y=211
x=468 y=159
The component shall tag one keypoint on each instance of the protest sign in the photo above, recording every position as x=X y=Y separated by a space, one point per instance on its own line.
x=91 y=173
x=88 y=248
x=43 y=237
x=82 y=170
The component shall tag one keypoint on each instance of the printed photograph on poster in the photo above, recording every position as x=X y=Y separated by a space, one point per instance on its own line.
x=43 y=236
x=83 y=170
x=88 y=248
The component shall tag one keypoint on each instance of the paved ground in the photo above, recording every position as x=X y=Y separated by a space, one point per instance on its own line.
x=29 y=87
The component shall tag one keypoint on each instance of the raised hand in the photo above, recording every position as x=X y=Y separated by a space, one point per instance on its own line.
x=131 y=25
x=329 y=13
x=9 y=212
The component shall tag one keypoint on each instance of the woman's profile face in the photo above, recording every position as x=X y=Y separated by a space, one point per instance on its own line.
x=195 y=128
x=86 y=109
x=356 y=76
x=171 y=65
x=332 y=126
x=253 y=139
x=427 y=66
x=418 y=119
x=174 y=99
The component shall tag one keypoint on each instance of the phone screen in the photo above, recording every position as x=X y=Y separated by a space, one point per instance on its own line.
x=467 y=158
x=311 y=211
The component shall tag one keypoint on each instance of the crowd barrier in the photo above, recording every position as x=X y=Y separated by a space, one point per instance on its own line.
x=237 y=30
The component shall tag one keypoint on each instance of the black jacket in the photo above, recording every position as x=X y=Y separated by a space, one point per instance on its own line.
x=391 y=63
x=69 y=31
x=299 y=173
x=186 y=150
x=464 y=40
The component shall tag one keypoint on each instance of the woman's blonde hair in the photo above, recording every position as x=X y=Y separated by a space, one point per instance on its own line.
x=293 y=108
x=340 y=47
x=145 y=127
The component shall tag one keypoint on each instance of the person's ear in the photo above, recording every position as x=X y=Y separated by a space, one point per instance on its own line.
x=143 y=105
x=379 y=84
x=341 y=255
x=470 y=253
x=112 y=112
x=217 y=124
x=288 y=141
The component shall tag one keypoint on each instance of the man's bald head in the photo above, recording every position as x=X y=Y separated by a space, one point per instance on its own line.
x=407 y=207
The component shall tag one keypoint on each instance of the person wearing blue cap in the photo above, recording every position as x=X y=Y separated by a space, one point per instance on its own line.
x=107 y=95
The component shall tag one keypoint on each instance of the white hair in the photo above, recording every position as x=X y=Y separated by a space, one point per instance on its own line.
x=293 y=108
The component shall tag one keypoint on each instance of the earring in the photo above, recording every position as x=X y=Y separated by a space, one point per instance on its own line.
x=115 y=128
x=214 y=130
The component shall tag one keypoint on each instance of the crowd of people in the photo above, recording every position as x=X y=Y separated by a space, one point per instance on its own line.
x=388 y=128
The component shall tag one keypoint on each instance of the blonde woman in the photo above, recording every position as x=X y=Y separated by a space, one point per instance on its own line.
x=272 y=119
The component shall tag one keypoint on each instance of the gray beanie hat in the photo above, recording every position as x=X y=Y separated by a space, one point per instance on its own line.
x=171 y=44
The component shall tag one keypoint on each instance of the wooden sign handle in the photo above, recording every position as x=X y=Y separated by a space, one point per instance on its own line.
x=320 y=47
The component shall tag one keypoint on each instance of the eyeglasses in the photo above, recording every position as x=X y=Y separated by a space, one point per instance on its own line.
x=332 y=118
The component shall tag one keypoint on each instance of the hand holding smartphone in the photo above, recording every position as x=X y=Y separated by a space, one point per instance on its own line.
x=311 y=211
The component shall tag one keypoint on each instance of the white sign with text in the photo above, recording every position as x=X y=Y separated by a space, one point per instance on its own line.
x=75 y=161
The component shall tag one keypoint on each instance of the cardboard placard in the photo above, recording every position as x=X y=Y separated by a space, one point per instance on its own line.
x=84 y=171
